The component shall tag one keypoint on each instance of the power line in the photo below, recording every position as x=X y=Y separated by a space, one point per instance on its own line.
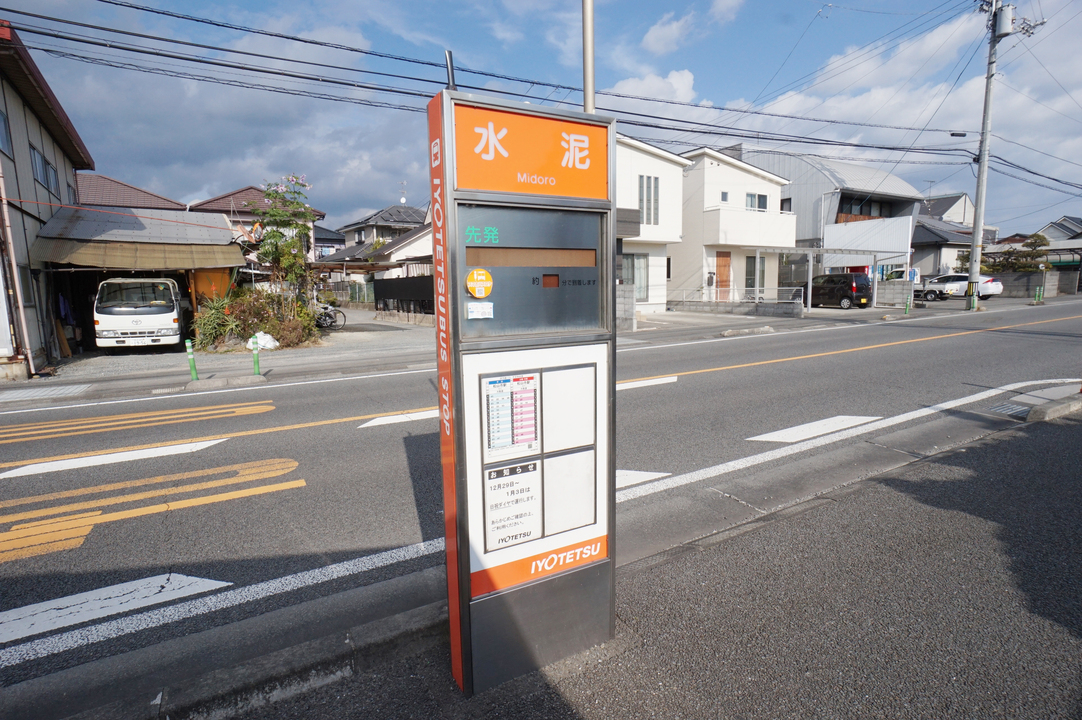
x=213 y=48
x=526 y=81
x=226 y=81
x=224 y=63
x=319 y=43
x=700 y=128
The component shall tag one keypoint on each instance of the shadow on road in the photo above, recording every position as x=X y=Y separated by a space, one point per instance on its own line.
x=1030 y=485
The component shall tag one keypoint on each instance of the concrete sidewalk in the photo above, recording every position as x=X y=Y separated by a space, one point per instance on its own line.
x=949 y=588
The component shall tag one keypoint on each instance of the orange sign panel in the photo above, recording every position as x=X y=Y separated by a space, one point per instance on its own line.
x=504 y=151
x=517 y=572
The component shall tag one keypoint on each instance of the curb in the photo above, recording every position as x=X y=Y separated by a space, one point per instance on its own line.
x=219 y=383
x=231 y=691
x=1055 y=409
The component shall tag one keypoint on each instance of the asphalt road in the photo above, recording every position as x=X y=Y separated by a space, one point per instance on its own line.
x=290 y=477
x=947 y=589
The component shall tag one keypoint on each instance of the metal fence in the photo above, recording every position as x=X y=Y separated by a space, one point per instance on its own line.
x=737 y=295
x=349 y=291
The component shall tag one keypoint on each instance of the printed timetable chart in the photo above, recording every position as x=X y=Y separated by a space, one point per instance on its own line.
x=510 y=405
x=539 y=454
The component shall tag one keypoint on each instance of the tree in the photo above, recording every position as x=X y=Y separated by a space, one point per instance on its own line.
x=1013 y=259
x=286 y=220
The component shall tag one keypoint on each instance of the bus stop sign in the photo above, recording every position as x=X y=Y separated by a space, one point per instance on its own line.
x=523 y=259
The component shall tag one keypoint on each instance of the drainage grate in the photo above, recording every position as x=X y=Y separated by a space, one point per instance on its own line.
x=46 y=392
x=1015 y=411
x=169 y=390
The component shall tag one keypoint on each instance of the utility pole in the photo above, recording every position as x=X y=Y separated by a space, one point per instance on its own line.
x=588 y=56
x=1001 y=24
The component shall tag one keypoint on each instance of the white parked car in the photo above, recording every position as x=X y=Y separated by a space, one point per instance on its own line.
x=956 y=284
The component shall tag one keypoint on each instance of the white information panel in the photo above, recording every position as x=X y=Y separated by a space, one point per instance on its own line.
x=537 y=453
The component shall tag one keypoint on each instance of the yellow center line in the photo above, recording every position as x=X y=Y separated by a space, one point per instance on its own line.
x=257 y=471
x=221 y=436
x=850 y=350
x=359 y=418
x=258 y=467
x=64 y=528
x=85 y=426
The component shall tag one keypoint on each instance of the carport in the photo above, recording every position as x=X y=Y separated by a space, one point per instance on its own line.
x=81 y=246
x=876 y=256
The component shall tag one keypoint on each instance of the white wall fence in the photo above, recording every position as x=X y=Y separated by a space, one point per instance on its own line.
x=737 y=295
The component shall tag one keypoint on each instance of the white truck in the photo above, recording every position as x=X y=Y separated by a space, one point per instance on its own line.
x=133 y=312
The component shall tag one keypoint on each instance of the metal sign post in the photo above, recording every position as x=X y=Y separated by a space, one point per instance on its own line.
x=523 y=255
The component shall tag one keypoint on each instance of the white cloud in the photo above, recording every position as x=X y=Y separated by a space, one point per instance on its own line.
x=628 y=60
x=724 y=11
x=667 y=35
x=678 y=85
x=566 y=36
x=915 y=59
x=505 y=33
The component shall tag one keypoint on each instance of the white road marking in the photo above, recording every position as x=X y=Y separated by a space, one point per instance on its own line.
x=676 y=481
x=111 y=629
x=625 y=478
x=109 y=459
x=814 y=429
x=43 y=392
x=817 y=328
x=645 y=383
x=404 y=417
x=263 y=387
x=75 y=609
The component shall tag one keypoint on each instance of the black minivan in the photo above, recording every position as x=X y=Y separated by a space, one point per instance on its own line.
x=844 y=290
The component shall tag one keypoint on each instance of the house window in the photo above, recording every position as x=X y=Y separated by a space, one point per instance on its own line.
x=749 y=271
x=648 y=199
x=636 y=271
x=5 y=135
x=27 y=282
x=44 y=172
x=724 y=196
x=787 y=204
x=71 y=195
x=668 y=268
x=865 y=207
x=755 y=202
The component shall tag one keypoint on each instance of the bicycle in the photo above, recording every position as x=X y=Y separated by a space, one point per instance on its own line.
x=329 y=317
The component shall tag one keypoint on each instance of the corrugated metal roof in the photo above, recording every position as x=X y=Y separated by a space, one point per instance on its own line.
x=136 y=256
x=119 y=224
x=864 y=179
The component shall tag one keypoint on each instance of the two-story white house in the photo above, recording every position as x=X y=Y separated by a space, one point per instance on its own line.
x=730 y=209
x=39 y=154
x=649 y=184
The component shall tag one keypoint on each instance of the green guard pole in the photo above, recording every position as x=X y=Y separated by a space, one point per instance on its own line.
x=191 y=359
x=255 y=355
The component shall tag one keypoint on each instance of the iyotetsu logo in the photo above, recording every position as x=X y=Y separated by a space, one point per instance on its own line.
x=435 y=152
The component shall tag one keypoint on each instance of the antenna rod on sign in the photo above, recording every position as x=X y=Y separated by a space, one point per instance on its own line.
x=588 y=56
x=450 y=71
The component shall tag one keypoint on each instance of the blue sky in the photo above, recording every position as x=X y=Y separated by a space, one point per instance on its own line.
x=909 y=65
